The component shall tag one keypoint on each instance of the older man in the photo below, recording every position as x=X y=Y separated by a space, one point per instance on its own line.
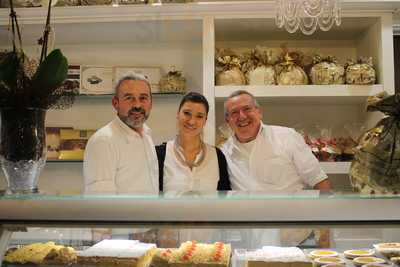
x=270 y=159
x=120 y=158
x=265 y=157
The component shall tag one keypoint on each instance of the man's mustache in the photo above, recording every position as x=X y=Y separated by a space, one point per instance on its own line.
x=136 y=110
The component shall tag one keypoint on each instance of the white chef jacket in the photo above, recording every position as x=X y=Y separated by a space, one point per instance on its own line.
x=277 y=160
x=179 y=177
x=120 y=161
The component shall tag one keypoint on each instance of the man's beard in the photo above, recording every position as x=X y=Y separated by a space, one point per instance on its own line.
x=134 y=123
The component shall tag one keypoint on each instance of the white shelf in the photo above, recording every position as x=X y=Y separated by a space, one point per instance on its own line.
x=236 y=8
x=255 y=29
x=306 y=93
x=336 y=167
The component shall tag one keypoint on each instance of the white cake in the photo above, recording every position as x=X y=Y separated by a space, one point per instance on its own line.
x=114 y=252
x=270 y=256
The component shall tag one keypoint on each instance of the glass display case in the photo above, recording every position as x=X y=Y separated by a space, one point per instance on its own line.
x=247 y=221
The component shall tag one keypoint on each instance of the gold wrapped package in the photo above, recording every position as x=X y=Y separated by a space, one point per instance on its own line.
x=326 y=70
x=258 y=66
x=360 y=72
x=376 y=165
x=290 y=72
x=173 y=82
x=228 y=68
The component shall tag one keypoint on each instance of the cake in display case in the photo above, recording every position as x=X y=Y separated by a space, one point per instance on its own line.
x=235 y=229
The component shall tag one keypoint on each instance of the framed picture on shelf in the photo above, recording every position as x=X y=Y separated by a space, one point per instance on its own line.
x=153 y=74
x=73 y=77
x=96 y=80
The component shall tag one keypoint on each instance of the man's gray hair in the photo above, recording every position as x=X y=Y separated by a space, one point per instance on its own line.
x=237 y=93
x=131 y=76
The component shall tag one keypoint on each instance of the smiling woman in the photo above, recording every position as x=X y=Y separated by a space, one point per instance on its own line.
x=187 y=163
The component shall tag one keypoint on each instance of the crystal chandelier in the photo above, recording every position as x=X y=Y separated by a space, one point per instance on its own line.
x=307 y=15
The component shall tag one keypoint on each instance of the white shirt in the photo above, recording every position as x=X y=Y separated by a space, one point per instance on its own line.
x=120 y=161
x=277 y=160
x=179 y=177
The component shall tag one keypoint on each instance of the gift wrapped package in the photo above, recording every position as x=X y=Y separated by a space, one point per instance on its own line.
x=228 y=68
x=376 y=165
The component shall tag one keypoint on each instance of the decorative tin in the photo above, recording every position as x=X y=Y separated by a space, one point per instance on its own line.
x=258 y=67
x=326 y=70
x=173 y=82
x=360 y=72
x=289 y=72
x=227 y=68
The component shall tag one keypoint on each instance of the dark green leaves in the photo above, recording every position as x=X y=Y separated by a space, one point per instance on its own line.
x=10 y=67
x=52 y=72
x=44 y=90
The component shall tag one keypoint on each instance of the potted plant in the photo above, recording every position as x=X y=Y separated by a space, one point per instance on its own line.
x=27 y=90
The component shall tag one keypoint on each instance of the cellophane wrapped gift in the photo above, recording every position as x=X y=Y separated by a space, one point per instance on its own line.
x=289 y=72
x=360 y=72
x=223 y=134
x=327 y=144
x=326 y=70
x=347 y=143
x=376 y=165
x=228 y=68
x=321 y=141
x=258 y=66
x=310 y=137
x=173 y=82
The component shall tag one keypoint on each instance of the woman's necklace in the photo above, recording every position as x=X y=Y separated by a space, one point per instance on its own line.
x=179 y=154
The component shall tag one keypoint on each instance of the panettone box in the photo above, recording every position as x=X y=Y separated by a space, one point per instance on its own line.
x=53 y=141
x=73 y=143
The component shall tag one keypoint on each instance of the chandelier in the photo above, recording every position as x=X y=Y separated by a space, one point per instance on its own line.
x=307 y=15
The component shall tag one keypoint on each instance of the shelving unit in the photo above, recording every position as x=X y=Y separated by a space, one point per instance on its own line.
x=346 y=94
x=186 y=35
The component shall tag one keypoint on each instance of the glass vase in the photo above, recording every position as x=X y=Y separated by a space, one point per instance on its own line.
x=22 y=148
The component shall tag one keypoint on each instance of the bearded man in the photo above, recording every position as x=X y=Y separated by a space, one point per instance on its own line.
x=120 y=158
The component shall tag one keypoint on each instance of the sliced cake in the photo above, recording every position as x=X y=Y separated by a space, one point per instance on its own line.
x=122 y=253
x=270 y=256
x=203 y=255
x=42 y=253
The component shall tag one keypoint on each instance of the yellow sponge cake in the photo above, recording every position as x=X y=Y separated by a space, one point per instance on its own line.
x=42 y=253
